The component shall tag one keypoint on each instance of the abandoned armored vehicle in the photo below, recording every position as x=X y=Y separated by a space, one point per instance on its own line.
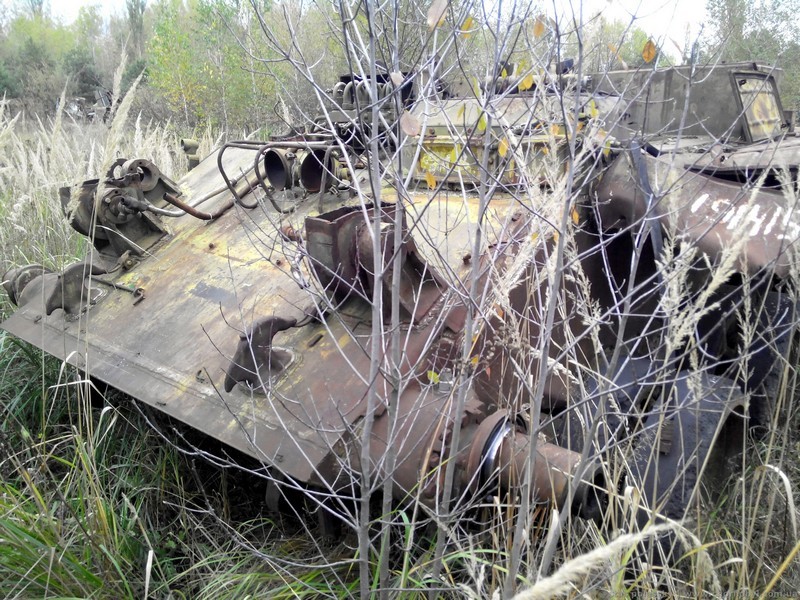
x=455 y=288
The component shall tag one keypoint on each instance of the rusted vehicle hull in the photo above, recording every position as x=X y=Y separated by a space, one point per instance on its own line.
x=282 y=301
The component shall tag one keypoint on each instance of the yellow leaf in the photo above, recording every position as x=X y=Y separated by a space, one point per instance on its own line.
x=534 y=237
x=649 y=52
x=436 y=13
x=467 y=26
x=502 y=147
x=482 y=122
x=593 y=112
x=576 y=218
x=545 y=150
x=433 y=377
x=430 y=180
x=526 y=83
x=476 y=87
x=538 y=27
x=555 y=236
x=453 y=156
x=613 y=48
x=474 y=361
x=461 y=110
x=503 y=73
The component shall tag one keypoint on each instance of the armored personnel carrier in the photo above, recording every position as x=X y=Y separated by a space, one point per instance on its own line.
x=485 y=285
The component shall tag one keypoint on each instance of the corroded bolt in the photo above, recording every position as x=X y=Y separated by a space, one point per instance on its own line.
x=289 y=233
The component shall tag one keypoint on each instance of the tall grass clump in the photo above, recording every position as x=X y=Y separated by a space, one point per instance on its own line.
x=37 y=157
x=93 y=501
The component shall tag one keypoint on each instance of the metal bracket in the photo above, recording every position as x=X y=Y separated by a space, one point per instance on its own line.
x=69 y=291
x=255 y=361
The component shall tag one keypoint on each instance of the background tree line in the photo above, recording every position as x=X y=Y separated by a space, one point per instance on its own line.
x=202 y=61
x=208 y=62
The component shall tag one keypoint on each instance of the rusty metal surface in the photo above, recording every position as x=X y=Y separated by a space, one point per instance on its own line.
x=206 y=284
x=749 y=161
x=704 y=99
x=760 y=225
x=459 y=159
x=250 y=315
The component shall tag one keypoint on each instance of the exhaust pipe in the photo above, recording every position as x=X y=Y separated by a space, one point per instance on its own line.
x=190 y=148
x=317 y=169
x=278 y=167
x=312 y=169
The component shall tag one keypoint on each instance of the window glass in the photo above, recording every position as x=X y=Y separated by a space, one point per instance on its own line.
x=761 y=108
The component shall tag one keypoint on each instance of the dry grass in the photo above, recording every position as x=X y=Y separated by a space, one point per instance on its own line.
x=40 y=157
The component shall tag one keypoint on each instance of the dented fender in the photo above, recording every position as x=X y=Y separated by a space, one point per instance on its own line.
x=761 y=224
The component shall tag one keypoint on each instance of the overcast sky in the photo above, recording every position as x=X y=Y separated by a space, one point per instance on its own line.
x=67 y=10
x=657 y=17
